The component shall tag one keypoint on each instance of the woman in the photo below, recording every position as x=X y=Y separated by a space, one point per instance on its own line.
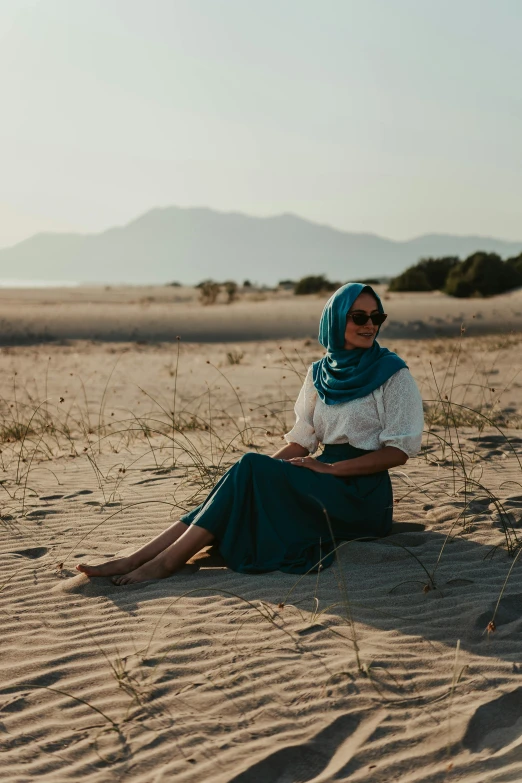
x=287 y=512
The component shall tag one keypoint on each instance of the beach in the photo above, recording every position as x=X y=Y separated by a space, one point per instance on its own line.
x=120 y=408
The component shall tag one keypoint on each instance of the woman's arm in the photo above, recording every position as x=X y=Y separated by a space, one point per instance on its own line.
x=382 y=459
x=302 y=438
x=290 y=451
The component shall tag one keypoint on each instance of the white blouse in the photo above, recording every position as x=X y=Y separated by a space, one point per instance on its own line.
x=390 y=416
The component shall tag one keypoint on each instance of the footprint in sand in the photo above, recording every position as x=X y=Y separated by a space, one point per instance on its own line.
x=508 y=512
x=77 y=494
x=41 y=513
x=320 y=759
x=452 y=512
x=33 y=553
x=509 y=611
x=151 y=480
x=496 y=724
x=406 y=539
x=79 y=583
x=494 y=440
x=17 y=704
x=511 y=511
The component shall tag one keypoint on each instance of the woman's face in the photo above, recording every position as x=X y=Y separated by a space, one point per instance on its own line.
x=361 y=336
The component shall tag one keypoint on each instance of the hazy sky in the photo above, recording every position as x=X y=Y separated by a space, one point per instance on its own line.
x=398 y=117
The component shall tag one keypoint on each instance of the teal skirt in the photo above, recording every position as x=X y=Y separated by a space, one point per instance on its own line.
x=268 y=515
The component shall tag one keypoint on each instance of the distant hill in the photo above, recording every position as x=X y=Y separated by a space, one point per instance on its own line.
x=189 y=245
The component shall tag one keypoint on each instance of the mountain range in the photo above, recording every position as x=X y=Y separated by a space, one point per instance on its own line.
x=188 y=245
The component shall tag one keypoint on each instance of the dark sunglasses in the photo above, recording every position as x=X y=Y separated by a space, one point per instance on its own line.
x=360 y=319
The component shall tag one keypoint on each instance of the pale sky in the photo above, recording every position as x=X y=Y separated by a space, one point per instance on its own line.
x=397 y=117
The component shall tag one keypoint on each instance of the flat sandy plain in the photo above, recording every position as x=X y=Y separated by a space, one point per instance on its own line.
x=159 y=314
x=398 y=663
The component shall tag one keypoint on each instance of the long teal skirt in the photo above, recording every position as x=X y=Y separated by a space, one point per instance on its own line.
x=268 y=515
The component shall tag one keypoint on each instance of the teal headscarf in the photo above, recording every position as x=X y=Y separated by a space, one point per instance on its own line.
x=342 y=374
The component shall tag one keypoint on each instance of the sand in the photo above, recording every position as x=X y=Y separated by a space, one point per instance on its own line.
x=156 y=314
x=380 y=668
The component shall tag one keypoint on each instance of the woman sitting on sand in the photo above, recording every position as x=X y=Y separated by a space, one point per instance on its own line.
x=286 y=512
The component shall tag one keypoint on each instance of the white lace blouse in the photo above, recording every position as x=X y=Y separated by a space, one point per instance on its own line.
x=389 y=416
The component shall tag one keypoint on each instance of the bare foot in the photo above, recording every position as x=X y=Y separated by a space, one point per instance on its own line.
x=121 y=566
x=154 y=569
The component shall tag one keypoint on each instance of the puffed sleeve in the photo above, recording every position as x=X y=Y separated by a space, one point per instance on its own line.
x=403 y=414
x=303 y=431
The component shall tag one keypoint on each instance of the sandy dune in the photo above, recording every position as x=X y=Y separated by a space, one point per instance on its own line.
x=377 y=669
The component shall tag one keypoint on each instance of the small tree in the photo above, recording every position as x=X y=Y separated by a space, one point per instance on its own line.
x=231 y=290
x=208 y=291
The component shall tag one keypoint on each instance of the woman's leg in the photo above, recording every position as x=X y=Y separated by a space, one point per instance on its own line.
x=148 y=552
x=171 y=559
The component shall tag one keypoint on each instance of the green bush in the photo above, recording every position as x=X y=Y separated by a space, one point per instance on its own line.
x=438 y=269
x=429 y=274
x=515 y=262
x=482 y=274
x=315 y=284
x=412 y=279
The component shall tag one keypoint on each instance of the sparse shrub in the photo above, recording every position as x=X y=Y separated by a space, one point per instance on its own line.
x=247 y=284
x=315 y=284
x=287 y=284
x=208 y=291
x=174 y=283
x=14 y=431
x=482 y=274
x=369 y=281
x=231 y=290
x=234 y=357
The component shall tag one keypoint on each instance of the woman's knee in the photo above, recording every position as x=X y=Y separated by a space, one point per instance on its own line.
x=252 y=459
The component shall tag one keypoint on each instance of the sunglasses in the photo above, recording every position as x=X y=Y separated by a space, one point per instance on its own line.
x=360 y=319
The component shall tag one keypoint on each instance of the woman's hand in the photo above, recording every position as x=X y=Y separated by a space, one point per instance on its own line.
x=311 y=464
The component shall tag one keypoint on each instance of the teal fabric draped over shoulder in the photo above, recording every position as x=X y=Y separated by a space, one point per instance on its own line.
x=342 y=374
